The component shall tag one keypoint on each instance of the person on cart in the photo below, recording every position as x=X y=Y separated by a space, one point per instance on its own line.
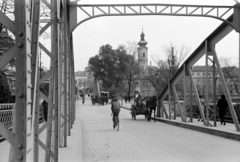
x=137 y=101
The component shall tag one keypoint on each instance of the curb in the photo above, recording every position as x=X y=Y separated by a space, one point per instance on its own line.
x=229 y=135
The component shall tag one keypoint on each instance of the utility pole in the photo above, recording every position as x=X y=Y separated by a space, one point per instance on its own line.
x=173 y=60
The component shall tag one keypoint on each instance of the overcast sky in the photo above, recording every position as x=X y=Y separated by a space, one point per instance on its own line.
x=159 y=31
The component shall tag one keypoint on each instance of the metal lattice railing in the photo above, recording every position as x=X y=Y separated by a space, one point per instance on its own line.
x=6 y=116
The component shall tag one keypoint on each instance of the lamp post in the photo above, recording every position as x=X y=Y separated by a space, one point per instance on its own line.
x=158 y=92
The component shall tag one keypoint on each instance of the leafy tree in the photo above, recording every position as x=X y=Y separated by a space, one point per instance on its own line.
x=109 y=65
x=5 y=94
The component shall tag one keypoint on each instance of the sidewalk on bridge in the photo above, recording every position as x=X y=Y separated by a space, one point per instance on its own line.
x=72 y=153
x=74 y=150
x=227 y=131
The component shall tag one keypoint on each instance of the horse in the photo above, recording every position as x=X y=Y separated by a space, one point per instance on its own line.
x=151 y=104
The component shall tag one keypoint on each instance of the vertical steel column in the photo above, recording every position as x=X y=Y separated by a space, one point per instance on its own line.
x=184 y=93
x=66 y=44
x=62 y=116
x=169 y=99
x=164 y=109
x=174 y=105
x=73 y=91
x=178 y=104
x=73 y=81
x=51 y=117
x=55 y=52
x=158 y=106
x=232 y=110
x=239 y=67
x=23 y=81
x=207 y=82
x=69 y=89
x=191 y=99
x=35 y=77
x=63 y=52
x=197 y=96
x=214 y=92
x=68 y=64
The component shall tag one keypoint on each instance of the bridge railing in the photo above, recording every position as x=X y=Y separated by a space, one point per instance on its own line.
x=6 y=115
x=228 y=116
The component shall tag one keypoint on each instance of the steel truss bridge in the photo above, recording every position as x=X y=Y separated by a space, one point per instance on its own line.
x=24 y=138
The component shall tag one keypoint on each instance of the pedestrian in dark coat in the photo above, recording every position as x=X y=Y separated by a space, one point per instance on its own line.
x=45 y=110
x=222 y=106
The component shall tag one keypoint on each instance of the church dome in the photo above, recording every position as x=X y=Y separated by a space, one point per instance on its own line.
x=142 y=42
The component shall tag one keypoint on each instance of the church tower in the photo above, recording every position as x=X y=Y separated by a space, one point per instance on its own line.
x=143 y=55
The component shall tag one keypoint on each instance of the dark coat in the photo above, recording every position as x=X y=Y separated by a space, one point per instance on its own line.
x=222 y=105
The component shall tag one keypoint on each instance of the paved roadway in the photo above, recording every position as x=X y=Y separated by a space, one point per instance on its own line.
x=93 y=139
x=144 y=141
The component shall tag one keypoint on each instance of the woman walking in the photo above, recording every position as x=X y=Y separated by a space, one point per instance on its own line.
x=222 y=106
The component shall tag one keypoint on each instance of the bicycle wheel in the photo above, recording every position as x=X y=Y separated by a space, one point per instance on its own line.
x=117 y=126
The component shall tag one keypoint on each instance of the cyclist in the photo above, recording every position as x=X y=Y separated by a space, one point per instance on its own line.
x=83 y=99
x=115 y=109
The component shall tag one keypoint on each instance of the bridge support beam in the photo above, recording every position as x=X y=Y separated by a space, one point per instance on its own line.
x=224 y=85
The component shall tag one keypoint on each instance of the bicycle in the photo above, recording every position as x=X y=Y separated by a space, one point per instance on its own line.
x=116 y=123
x=83 y=101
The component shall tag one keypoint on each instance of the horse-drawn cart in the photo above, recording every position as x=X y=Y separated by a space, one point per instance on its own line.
x=139 y=110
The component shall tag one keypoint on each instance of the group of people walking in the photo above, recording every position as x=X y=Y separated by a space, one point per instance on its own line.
x=222 y=106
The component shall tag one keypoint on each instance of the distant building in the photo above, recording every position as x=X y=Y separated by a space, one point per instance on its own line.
x=81 y=79
x=199 y=76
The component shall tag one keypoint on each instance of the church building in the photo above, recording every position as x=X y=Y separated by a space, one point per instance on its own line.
x=144 y=86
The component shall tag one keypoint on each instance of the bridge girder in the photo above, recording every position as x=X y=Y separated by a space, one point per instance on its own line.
x=24 y=138
x=217 y=12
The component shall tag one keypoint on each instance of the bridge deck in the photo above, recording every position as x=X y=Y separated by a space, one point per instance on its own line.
x=93 y=139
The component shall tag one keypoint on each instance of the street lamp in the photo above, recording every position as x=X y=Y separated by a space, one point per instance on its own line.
x=158 y=92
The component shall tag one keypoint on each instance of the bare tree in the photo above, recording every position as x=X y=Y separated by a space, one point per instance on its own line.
x=133 y=70
x=167 y=66
x=230 y=72
x=174 y=56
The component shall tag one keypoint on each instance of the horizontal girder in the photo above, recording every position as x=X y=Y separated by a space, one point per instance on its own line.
x=217 y=12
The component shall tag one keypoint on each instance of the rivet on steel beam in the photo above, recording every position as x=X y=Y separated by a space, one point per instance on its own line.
x=20 y=146
x=29 y=71
x=20 y=45
x=29 y=150
x=21 y=95
x=20 y=34
x=29 y=55
x=20 y=157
